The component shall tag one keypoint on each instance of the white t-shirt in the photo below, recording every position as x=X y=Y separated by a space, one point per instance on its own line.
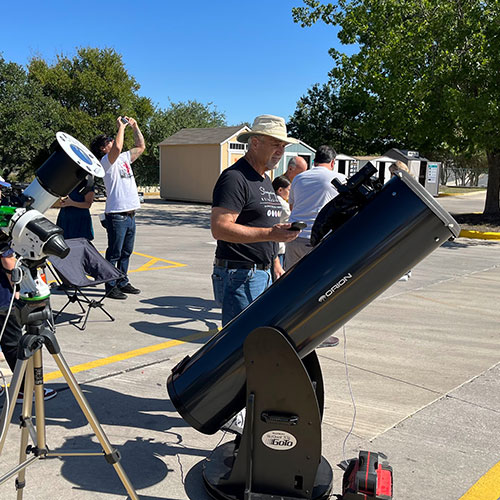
x=285 y=213
x=121 y=189
x=310 y=192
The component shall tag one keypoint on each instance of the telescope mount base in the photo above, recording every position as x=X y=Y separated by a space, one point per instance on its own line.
x=278 y=456
x=219 y=467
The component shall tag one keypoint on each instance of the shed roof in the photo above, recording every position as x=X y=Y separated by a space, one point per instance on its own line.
x=405 y=154
x=344 y=157
x=366 y=158
x=212 y=135
x=380 y=159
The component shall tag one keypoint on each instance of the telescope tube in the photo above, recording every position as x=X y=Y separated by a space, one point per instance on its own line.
x=399 y=227
x=70 y=163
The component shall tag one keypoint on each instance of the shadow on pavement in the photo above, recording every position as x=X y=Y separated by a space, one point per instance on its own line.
x=176 y=214
x=467 y=243
x=111 y=408
x=141 y=456
x=140 y=460
x=184 y=310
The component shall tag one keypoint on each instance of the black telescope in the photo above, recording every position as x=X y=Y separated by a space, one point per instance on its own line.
x=398 y=226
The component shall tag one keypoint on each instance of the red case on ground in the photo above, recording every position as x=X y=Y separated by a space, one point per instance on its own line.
x=367 y=478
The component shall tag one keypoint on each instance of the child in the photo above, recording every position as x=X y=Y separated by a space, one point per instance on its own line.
x=281 y=187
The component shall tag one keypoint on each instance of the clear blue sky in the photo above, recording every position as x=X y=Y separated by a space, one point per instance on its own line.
x=246 y=58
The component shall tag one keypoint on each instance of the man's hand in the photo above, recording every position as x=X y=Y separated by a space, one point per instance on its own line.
x=278 y=270
x=132 y=122
x=224 y=227
x=120 y=123
x=282 y=233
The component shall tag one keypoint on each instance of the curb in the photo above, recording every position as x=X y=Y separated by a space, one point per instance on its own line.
x=479 y=235
x=460 y=194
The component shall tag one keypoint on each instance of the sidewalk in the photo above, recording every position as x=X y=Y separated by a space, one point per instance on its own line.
x=423 y=363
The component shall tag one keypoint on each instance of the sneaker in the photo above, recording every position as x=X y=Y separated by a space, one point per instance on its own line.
x=128 y=288
x=330 y=342
x=47 y=394
x=115 y=293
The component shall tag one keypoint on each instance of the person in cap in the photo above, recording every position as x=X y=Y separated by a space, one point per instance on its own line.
x=122 y=200
x=245 y=219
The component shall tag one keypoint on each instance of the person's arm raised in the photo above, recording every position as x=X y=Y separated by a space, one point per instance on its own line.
x=117 y=146
x=139 y=143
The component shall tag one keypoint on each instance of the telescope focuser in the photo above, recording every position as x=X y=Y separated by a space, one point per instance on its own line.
x=353 y=195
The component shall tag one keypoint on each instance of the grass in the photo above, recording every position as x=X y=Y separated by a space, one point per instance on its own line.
x=459 y=189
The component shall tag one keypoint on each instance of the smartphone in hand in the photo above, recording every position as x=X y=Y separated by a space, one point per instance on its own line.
x=297 y=226
x=124 y=120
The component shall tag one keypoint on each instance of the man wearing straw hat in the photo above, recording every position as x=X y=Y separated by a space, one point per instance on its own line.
x=245 y=219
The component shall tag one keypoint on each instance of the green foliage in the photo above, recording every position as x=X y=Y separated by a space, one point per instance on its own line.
x=431 y=66
x=27 y=120
x=166 y=122
x=191 y=114
x=83 y=96
x=92 y=89
x=326 y=115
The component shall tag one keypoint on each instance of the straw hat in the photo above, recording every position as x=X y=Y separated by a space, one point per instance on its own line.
x=272 y=126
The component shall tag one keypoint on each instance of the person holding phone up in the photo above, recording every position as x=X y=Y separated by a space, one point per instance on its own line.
x=122 y=199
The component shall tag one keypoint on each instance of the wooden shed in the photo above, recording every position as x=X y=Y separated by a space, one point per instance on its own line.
x=192 y=160
x=291 y=150
x=345 y=164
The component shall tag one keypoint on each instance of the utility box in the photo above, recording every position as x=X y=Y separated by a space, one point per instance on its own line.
x=425 y=171
x=433 y=174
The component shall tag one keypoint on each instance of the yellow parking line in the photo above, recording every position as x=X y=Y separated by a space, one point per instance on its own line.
x=487 y=488
x=130 y=354
x=159 y=259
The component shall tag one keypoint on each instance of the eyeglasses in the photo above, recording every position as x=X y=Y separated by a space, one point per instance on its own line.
x=108 y=140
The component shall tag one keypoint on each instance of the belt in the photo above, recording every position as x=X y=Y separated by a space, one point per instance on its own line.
x=238 y=264
x=130 y=213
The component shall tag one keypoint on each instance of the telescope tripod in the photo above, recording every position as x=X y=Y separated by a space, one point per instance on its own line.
x=38 y=334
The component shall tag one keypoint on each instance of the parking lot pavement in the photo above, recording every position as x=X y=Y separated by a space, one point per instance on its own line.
x=423 y=363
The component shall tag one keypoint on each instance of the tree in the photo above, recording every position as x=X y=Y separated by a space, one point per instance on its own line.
x=465 y=170
x=92 y=89
x=326 y=115
x=431 y=66
x=83 y=96
x=27 y=120
x=166 y=122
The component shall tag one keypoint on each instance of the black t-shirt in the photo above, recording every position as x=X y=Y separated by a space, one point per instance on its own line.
x=242 y=189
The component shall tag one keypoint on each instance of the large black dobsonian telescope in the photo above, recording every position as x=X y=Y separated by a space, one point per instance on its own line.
x=365 y=240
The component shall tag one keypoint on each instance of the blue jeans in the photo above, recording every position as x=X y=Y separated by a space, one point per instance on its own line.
x=121 y=237
x=235 y=289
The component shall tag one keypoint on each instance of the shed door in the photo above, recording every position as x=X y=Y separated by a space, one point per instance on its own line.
x=236 y=151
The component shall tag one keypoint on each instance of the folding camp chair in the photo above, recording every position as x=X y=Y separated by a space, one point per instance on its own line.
x=82 y=270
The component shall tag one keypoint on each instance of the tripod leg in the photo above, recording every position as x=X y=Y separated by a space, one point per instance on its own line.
x=25 y=427
x=112 y=456
x=8 y=411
